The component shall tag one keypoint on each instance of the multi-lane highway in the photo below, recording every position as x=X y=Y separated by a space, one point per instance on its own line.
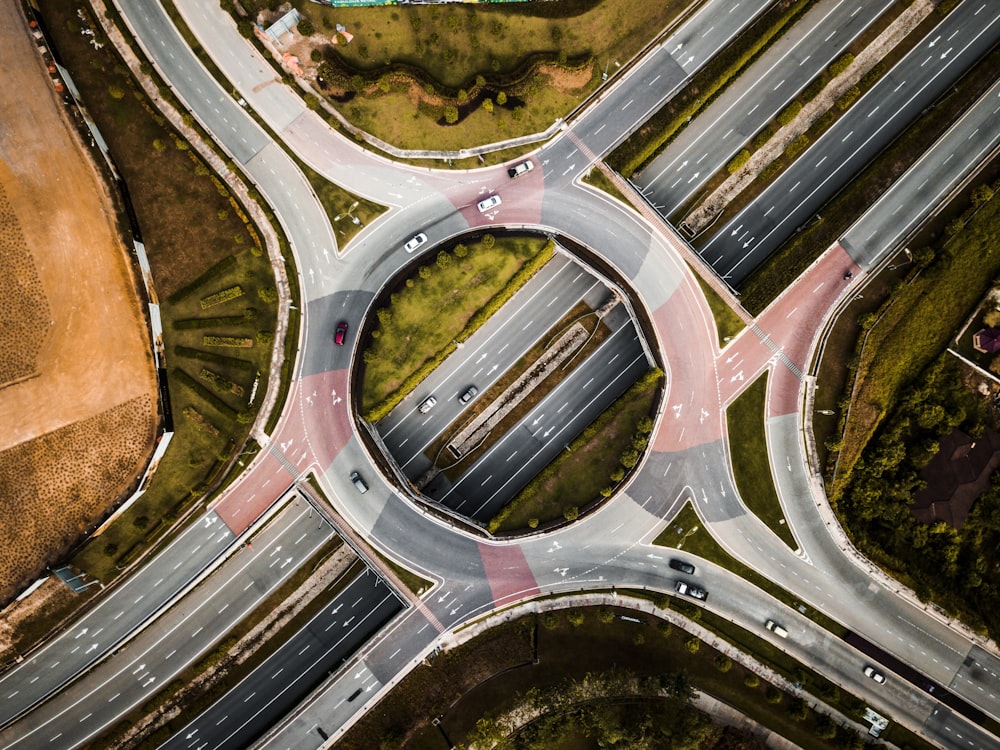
x=737 y=247
x=688 y=459
x=763 y=90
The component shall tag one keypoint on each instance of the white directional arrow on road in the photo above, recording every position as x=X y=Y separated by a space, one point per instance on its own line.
x=540 y=418
x=83 y=632
x=945 y=53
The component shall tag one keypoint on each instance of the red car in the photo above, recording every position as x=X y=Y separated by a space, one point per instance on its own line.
x=341 y=334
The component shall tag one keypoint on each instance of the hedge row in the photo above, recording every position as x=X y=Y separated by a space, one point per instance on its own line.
x=789 y=113
x=233 y=342
x=225 y=295
x=709 y=89
x=214 y=272
x=738 y=162
x=628 y=459
x=221 y=406
x=218 y=359
x=188 y=324
x=477 y=320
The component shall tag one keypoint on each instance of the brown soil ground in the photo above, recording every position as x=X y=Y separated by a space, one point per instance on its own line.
x=79 y=409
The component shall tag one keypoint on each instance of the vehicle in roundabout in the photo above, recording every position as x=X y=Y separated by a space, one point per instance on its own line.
x=416 y=241
x=690 y=589
x=341 y=333
x=487 y=203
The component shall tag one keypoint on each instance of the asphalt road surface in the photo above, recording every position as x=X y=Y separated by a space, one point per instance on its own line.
x=113 y=619
x=729 y=122
x=924 y=74
x=269 y=692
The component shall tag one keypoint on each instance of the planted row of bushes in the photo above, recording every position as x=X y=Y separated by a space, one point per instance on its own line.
x=710 y=83
x=224 y=295
x=217 y=403
x=214 y=272
x=233 y=342
x=218 y=359
x=477 y=320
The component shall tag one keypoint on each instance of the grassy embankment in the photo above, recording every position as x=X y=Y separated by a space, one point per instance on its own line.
x=751 y=468
x=545 y=58
x=448 y=296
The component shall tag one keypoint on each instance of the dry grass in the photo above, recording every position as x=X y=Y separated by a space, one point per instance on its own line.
x=24 y=310
x=56 y=485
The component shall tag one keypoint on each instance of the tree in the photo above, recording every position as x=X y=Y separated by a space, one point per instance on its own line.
x=116 y=91
x=305 y=27
x=488 y=240
x=451 y=114
x=692 y=644
x=575 y=617
x=501 y=98
x=488 y=105
x=981 y=195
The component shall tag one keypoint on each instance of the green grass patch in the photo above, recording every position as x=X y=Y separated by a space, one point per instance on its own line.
x=429 y=311
x=411 y=63
x=727 y=321
x=745 y=419
x=599 y=180
x=686 y=532
x=584 y=472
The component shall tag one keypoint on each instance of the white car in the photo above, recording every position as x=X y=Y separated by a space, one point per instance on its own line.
x=874 y=674
x=519 y=169
x=415 y=242
x=427 y=405
x=487 y=203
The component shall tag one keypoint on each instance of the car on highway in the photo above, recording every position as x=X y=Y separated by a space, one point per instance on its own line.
x=416 y=241
x=689 y=589
x=470 y=393
x=870 y=671
x=776 y=629
x=427 y=404
x=519 y=169
x=359 y=482
x=487 y=203
x=683 y=567
x=340 y=334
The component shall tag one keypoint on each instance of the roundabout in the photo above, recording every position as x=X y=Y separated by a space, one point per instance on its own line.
x=316 y=447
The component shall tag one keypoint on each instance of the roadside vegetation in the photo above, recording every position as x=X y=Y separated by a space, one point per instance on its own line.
x=905 y=392
x=445 y=301
x=745 y=418
x=727 y=322
x=785 y=265
x=593 y=466
x=172 y=191
x=466 y=75
x=614 y=668
x=707 y=84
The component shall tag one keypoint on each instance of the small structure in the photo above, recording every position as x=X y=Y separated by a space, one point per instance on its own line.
x=987 y=340
x=957 y=475
x=283 y=26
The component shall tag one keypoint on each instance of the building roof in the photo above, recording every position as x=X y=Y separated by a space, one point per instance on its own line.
x=957 y=475
x=987 y=340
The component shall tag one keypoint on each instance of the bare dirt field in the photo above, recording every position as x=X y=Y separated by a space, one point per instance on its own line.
x=77 y=386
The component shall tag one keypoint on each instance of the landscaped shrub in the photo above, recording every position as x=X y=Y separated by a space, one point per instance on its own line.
x=232 y=342
x=840 y=65
x=789 y=113
x=738 y=161
x=221 y=296
x=797 y=146
x=212 y=273
x=848 y=98
x=692 y=644
x=219 y=359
